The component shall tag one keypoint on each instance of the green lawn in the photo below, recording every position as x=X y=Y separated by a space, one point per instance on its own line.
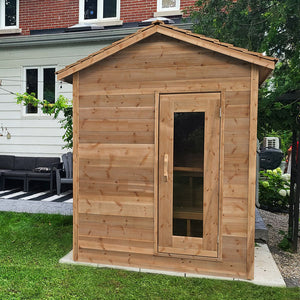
x=31 y=245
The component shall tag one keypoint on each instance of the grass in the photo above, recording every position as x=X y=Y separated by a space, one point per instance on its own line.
x=31 y=245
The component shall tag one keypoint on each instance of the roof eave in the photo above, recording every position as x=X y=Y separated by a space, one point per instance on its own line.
x=264 y=73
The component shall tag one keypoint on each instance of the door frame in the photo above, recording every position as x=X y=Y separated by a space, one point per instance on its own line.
x=156 y=176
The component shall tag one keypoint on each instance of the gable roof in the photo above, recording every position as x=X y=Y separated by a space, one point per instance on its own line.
x=266 y=64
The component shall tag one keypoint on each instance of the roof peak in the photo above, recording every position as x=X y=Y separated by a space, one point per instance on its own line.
x=265 y=63
x=158 y=22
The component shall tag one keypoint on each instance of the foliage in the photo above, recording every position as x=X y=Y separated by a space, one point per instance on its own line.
x=284 y=244
x=265 y=26
x=67 y=125
x=274 y=190
x=62 y=104
x=32 y=244
x=242 y=23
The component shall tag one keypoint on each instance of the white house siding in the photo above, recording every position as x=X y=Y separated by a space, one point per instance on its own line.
x=34 y=135
x=41 y=135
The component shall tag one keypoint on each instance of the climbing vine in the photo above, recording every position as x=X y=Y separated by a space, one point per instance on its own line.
x=62 y=105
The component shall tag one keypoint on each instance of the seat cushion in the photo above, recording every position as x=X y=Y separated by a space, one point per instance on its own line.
x=15 y=173
x=7 y=162
x=38 y=175
x=46 y=161
x=24 y=163
x=4 y=170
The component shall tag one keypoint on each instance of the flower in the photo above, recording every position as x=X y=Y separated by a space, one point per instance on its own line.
x=274 y=172
x=278 y=170
x=265 y=184
x=286 y=176
x=288 y=192
x=282 y=192
x=269 y=171
x=286 y=186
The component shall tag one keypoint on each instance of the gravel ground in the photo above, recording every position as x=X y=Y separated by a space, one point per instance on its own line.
x=288 y=263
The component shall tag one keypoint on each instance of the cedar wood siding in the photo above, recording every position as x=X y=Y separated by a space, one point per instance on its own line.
x=114 y=129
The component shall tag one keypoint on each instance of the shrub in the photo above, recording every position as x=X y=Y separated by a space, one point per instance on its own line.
x=274 y=190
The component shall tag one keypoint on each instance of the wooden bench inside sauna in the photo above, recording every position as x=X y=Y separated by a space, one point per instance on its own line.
x=165 y=153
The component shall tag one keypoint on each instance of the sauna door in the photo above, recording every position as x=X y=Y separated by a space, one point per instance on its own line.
x=189 y=143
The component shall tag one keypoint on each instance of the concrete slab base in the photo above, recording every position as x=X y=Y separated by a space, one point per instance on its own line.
x=261 y=231
x=266 y=271
x=36 y=207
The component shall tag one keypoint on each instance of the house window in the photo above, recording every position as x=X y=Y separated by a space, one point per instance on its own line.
x=42 y=82
x=99 y=10
x=168 y=5
x=9 y=14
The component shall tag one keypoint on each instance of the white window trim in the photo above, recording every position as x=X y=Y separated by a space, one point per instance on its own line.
x=39 y=112
x=168 y=9
x=100 y=18
x=2 y=16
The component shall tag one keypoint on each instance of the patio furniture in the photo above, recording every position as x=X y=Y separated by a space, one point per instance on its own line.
x=27 y=169
x=64 y=175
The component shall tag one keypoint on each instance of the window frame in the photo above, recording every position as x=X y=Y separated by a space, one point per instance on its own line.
x=40 y=87
x=2 y=16
x=100 y=18
x=161 y=9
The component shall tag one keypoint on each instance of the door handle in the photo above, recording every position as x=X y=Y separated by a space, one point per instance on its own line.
x=166 y=166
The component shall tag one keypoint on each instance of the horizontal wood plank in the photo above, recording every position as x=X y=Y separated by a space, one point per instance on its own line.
x=235 y=190
x=90 y=195
x=235 y=248
x=111 y=137
x=229 y=267
x=143 y=59
x=237 y=125
x=231 y=176
x=168 y=86
x=236 y=138
x=115 y=125
x=121 y=188
x=237 y=111
x=134 y=100
x=125 y=222
x=100 y=243
x=116 y=208
x=237 y=98
x=115 y=190
x=234 y=226
x=95 y=173
x=116 y=155
x=232 y=149
x=171 y=72
x=96 y=113
x=235 y=207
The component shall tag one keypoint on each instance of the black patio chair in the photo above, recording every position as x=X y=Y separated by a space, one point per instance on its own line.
x=64 y=175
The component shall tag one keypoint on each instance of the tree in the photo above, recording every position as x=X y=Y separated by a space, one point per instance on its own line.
x=265 y=26
x=272 y=27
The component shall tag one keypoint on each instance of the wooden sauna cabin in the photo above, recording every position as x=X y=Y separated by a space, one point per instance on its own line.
x=165 y=153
